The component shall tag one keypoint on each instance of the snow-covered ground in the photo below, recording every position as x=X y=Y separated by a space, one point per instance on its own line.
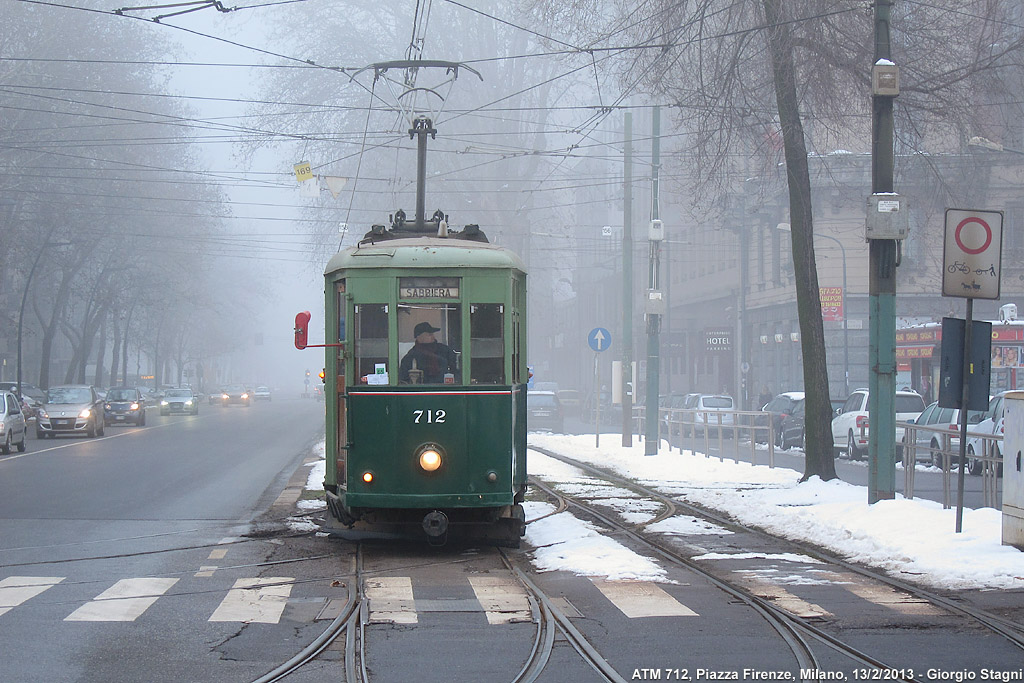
x=910 y=539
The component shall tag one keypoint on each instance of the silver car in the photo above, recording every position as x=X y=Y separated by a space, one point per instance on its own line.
x=13 y=430
x=70 y=409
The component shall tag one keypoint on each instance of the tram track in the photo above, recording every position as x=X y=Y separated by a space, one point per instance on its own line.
x=1012 y=631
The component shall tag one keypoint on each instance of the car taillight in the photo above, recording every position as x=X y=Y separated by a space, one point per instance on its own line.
x=862 y=422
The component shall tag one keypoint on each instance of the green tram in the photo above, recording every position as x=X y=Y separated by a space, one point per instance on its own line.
x=425 y=384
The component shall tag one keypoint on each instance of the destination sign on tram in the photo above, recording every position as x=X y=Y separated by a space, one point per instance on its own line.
x=428 y=288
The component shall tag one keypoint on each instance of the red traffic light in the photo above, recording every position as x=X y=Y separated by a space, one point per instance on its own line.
x=301 y=329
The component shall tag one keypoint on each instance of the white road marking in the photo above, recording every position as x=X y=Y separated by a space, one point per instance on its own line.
x=391 y=600
x=259 y=601
x=15 y=590
x=126 y=600
x=638 y=599
x=504 y=600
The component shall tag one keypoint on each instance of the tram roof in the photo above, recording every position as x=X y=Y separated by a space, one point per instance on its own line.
x=426 y=252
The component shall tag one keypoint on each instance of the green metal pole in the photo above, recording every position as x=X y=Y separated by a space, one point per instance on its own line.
x=627 y=285
x=653 y=319
x=882 y=293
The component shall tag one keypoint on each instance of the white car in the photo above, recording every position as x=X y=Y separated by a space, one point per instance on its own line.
x=850 y=425
x=991 y=423
x=13 y=430
x=261 y=394
x=708 y=407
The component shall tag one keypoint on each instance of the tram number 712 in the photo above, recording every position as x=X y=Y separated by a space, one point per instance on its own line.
x=429 y=416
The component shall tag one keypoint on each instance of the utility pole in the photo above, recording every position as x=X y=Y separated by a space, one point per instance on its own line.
x=655 y=298
x=627 y=285
x=882 y=290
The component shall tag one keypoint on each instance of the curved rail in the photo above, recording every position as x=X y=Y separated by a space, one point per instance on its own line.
x=1011 y=631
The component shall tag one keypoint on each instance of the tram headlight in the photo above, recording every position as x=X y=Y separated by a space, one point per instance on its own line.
x=430 y=457
x=368 y=477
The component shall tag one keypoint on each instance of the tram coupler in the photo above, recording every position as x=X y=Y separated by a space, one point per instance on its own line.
x=435 y=524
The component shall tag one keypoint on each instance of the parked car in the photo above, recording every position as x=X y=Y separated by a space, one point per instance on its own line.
x=780 y=408
x=27 y=389
x=674 y=421
x=929 y=443
x=13 y=427
x=261 y=394
x=179 y=401
x=235 y=393
x=791 y=429
x=850 y=425
x=544 y=411
x=991 y=423
x=708 y=407
x=570 y=400
x=124 y=405
x=70 y=409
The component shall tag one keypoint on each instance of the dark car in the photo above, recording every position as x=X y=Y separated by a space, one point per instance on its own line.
x=544 y=411
x=29 y=390
x=235 y=393
x=124 y=405
x=791 y=430
x=780 y=408
x=179 y=401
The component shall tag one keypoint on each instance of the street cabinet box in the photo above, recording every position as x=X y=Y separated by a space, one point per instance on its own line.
x=1013 y=472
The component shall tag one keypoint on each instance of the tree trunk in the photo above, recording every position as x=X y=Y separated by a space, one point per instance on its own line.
x=819 y=459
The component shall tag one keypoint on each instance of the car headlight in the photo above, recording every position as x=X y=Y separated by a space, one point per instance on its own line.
x=225 y=396
x=163 y=403
x=134 y=406
x=85 y=414
x=188 y=402
x=42 y=414
x=245 y=396
x=106 y=407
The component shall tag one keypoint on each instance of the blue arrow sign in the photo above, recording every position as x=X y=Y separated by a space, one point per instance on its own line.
x=599 y=339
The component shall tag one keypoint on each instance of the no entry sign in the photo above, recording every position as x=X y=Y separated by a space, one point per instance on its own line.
x=972 y=254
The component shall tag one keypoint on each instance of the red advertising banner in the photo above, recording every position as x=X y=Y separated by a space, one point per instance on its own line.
x=831 y=303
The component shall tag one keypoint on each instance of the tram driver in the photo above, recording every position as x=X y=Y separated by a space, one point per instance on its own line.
x=428 y=361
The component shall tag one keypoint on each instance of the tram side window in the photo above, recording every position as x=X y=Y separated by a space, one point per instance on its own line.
x=429 y=343
x=487 y=343
x=371 y=348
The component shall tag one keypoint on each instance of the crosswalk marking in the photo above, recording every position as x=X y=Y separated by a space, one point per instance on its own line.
x=217 y=554
x=206 y=571
x=503 y=599
x=15 y=590
x=255 y=601
x=885 y=596
x=391 y=600
x=126 y=600
x=638 y=599
x=784 y=599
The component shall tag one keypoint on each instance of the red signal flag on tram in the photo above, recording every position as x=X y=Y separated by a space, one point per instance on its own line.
x=301 y=329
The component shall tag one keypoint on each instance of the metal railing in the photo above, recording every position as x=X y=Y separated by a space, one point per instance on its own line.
x=946 y=456
x=713 y=426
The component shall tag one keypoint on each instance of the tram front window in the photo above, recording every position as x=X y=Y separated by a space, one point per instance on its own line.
x=429 y=344
x=371 y=347
x=487 y=344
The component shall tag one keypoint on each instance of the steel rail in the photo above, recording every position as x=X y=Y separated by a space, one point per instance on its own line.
x=544 y=642
x=781 y=621
x=1010 y=630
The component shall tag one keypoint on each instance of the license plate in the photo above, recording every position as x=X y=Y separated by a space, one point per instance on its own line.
x=120 y=417
x=63 y=422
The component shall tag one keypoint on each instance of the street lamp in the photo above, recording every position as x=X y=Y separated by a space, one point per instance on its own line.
x=846 y=332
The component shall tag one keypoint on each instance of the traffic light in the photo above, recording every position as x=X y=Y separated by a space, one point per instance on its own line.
x=323 y=375
x=301 y=330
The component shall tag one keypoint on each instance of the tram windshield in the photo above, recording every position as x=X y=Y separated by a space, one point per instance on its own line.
x=429 y=343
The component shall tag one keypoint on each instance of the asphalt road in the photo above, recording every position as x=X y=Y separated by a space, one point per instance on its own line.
x=117 y=553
